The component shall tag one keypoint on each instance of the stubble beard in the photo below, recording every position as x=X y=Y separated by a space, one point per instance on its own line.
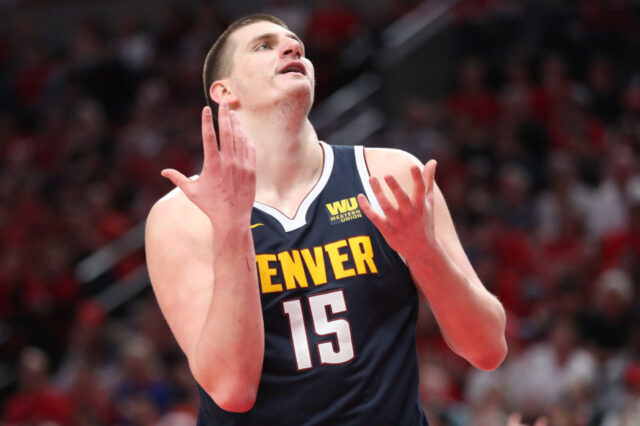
x=297 y=101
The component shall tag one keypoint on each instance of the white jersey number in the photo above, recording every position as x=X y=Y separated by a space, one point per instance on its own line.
x=323 y=326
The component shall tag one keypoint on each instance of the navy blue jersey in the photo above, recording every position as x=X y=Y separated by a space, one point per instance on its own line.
x=339 y=310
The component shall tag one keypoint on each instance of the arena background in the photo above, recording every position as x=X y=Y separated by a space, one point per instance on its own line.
x=532 y=109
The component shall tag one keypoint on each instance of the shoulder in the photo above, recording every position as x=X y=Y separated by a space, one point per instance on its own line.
x=381 y=161
x=391 y=161
x=174 y=215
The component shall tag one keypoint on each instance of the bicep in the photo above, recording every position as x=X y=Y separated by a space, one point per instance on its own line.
x=181 y=273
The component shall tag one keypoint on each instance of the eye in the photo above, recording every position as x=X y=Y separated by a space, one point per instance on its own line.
x=263 y=46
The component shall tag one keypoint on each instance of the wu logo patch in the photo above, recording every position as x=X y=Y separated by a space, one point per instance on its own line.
x=343 y=210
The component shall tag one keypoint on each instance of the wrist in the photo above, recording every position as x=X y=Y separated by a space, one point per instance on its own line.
x=230 y=223
x=230 y=229
x=427 y=252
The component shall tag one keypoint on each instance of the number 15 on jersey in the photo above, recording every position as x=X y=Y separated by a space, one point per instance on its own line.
x=329 y=352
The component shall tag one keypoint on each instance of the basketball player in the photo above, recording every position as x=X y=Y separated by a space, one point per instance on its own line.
x=289 y=273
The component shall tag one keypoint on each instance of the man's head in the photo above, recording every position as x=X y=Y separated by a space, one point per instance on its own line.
x=248 y=40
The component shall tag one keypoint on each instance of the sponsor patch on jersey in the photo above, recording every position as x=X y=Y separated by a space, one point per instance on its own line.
x=344 y=210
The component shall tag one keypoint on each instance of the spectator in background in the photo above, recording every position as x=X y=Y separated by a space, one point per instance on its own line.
x=142 y=394
x=518 y=125
x=134 y=46
x=36 y=400
x=565 y=196
x=606 y=325
x=516 y=206
x=625 y=411
x=555 y=376
x=554 y=89
x=621 y=247
x=604 y=96
x=185 y=398
x=516 y=93
x=550 y=372
x=609 y=203
x=91 y=403
x=88 y=345
x=473 y=99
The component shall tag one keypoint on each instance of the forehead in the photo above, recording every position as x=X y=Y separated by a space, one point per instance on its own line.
x=246 y=34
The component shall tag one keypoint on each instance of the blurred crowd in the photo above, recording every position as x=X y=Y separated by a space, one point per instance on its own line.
x=538 y=149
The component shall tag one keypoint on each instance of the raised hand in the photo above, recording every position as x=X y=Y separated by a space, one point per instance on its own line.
x=226 y=188
x=410 y=225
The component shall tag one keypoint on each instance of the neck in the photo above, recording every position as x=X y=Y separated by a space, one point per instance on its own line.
x=288 y=155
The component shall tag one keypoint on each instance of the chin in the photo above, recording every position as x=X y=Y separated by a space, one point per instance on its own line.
x=301 y=93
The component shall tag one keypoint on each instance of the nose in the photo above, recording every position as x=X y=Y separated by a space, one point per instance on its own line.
x=291 y=47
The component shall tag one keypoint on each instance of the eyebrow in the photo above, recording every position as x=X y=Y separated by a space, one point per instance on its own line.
x=268 y=36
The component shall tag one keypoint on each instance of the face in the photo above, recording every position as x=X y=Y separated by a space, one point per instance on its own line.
x=268 y=68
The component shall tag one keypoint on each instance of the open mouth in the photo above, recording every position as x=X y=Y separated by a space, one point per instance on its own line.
x=293 y=68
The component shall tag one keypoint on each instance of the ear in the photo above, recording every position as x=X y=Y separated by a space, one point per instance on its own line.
x=221 y=93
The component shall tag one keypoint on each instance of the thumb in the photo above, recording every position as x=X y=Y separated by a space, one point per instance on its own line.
x=176 y=177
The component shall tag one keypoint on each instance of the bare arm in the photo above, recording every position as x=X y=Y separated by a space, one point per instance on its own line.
x=419 y=227
x=202 y=266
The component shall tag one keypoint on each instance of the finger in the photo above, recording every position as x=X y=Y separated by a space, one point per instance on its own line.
x=418 y=186
x=429 y=173
x=385 y=204
x=209 y=142
x=176 y=177
x=404 y=203
x=239 y=137
x=226 y=132
x=374 y=216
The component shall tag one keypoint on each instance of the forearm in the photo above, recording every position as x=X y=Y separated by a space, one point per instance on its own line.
x=230 y=347
x=471 y=318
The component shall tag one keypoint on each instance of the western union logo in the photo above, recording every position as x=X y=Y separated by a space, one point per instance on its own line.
x=343 y=210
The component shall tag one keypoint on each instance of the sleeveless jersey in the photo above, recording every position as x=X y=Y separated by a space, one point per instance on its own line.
x=339 y=309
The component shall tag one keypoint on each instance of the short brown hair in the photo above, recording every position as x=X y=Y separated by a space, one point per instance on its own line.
x=217 y=64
